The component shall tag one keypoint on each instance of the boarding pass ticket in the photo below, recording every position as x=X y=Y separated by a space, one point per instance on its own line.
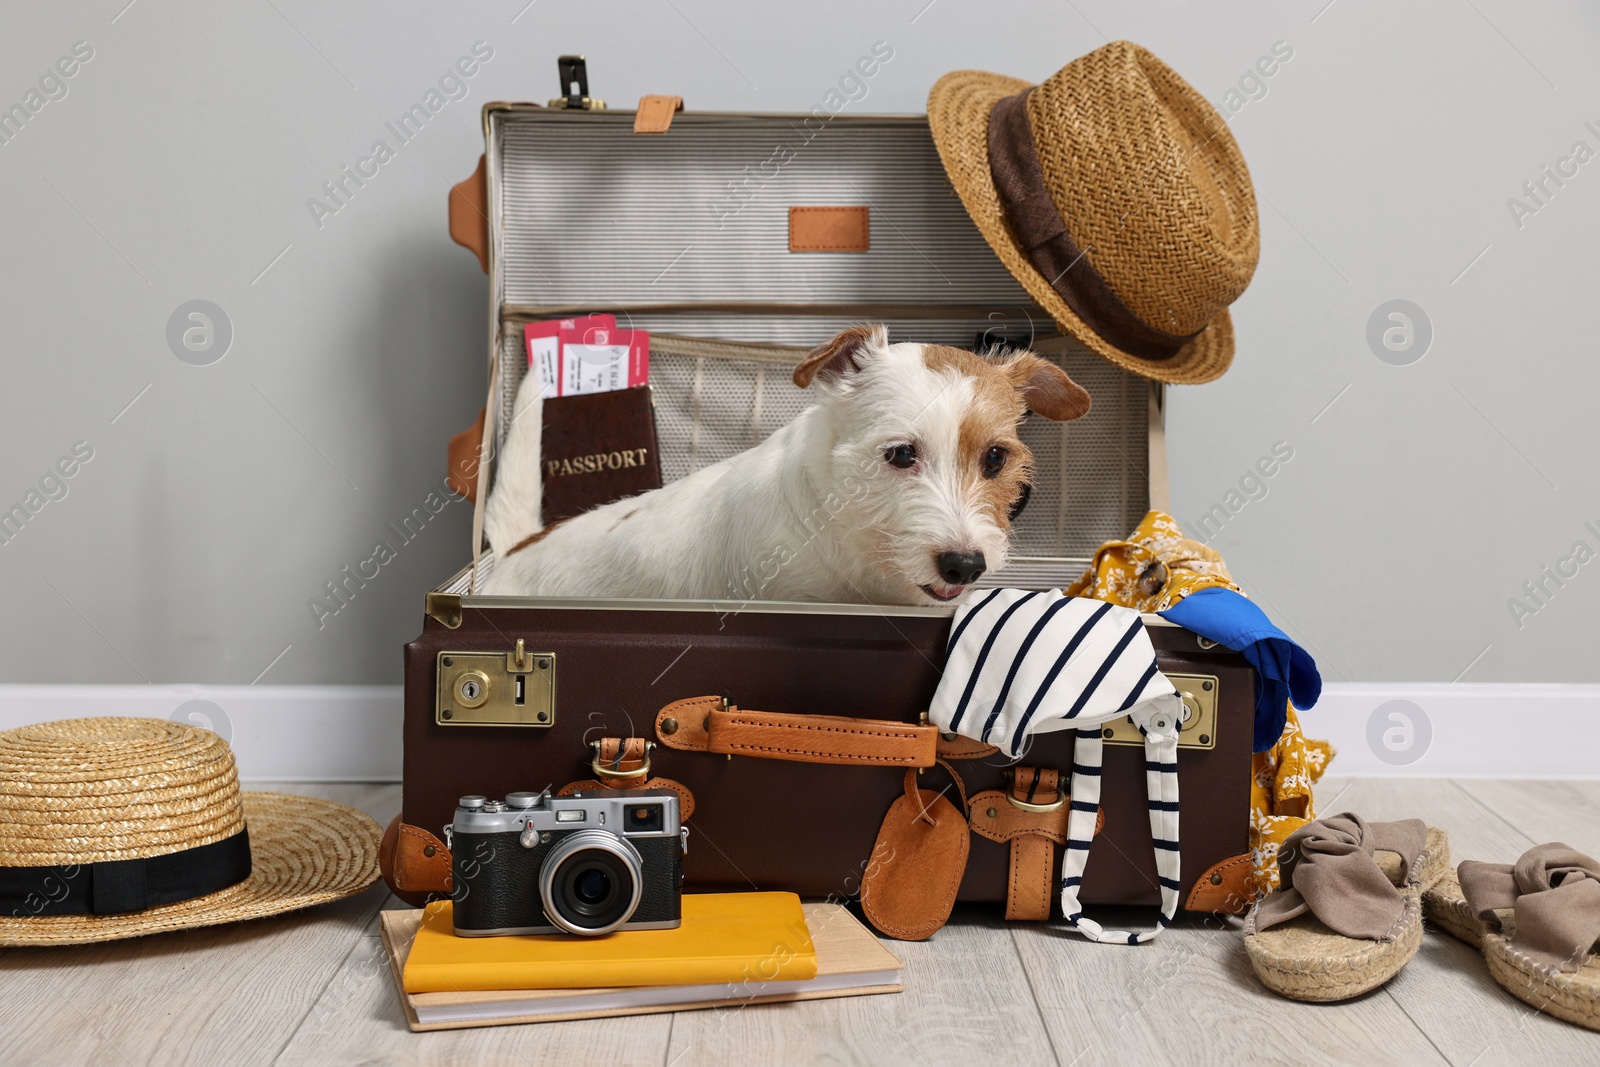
x=586 y=354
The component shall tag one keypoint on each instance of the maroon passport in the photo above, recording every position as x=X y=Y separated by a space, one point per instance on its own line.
x=597 y=447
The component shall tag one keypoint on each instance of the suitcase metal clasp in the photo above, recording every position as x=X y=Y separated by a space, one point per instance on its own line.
x=516 y=688
x=1197 y=725
x=575 y=86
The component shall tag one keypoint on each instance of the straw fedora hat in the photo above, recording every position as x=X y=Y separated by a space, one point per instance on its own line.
x=119 y=827
x=1116 y=195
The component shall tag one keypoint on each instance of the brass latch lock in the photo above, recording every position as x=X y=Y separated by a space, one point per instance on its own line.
x=516 y=688
x=574 y=71
x=1197 y=724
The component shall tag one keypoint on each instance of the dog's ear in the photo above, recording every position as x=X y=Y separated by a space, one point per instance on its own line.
x=840 y=356
x=1046 y=389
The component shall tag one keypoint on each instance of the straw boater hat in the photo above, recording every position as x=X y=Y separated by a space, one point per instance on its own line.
x=113 y=828
x=1116 y=195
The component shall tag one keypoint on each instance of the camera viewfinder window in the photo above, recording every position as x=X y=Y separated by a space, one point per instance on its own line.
x=644 y=819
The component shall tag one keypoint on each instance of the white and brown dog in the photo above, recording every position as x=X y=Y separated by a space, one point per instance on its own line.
x=897 y=487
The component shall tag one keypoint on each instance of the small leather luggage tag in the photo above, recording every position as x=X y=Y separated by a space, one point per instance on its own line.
x=910 y=884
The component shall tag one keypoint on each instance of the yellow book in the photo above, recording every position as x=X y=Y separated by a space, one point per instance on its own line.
x=851 y=962
x=726 y=938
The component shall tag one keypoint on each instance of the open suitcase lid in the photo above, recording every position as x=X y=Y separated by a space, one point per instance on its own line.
x=687 y=234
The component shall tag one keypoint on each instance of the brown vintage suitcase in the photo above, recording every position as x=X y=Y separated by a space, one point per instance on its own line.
x=712 y=269
x=610 y=666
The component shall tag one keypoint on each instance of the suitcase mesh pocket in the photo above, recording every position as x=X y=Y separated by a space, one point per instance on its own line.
x=708 y=409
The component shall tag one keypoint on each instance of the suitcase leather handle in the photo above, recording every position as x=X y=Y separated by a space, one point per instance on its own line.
x=709 y=724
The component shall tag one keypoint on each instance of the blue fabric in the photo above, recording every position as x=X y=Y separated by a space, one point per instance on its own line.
x=1284 y=670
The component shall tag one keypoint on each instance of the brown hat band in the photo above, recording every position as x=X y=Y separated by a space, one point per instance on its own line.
x=1037 y=224
x=112 y=887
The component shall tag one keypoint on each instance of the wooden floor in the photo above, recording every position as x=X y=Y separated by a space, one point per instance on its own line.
x=314 y=988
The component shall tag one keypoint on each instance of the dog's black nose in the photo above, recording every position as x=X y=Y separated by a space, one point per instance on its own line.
x=960 y=568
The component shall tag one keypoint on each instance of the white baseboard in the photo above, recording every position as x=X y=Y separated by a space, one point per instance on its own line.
x=1487 y=730
x=279 y=733
x=319 y=733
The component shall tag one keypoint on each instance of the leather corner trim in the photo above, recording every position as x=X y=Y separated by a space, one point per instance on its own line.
x=415 y=861
x=655 y=113
x=1226 y=889
x=469 y=214
x=461 y=458
x=830 y=229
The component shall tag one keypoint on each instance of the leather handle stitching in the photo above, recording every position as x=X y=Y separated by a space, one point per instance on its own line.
x=887 y=733
x=857 y=217
x=821 y=753
x=1012 y=835
x=421 y=835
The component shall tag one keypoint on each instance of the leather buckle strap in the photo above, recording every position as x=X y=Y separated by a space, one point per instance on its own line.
x=1033 y=820
x=617 y=758
x=711 y=724
x=1034 y=791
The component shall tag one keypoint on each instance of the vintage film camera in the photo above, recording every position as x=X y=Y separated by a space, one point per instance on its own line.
x=586 y=864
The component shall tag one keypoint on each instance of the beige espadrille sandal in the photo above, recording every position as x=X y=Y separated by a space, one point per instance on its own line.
x=1351 y=913
x=1536 y=922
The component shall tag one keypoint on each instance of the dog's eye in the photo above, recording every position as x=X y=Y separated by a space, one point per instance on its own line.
x=993 y=461
x=902 y=456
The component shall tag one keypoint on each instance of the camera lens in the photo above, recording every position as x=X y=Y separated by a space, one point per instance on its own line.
x=592 y=886
x=591 y=883
x=588 y=889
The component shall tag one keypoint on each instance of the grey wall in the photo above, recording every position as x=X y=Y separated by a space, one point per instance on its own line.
x=179 y=163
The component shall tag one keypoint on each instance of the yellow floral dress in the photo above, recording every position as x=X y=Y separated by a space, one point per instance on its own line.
x=1154 y=569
